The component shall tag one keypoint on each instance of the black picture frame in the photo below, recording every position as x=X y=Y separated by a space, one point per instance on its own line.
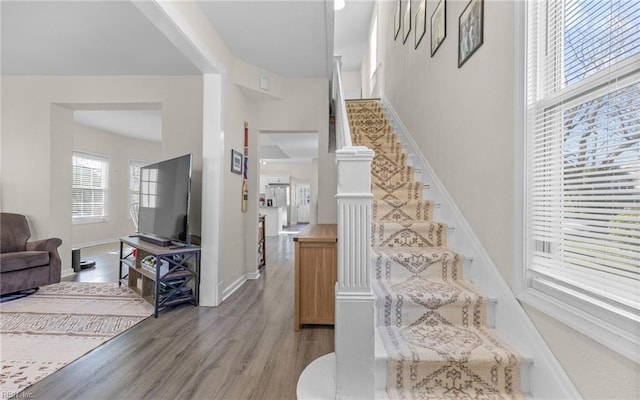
x=397 y=19
x=236 y=162
x=438 y=26
x=406 y=22
x=470 y=30
x=420 y=22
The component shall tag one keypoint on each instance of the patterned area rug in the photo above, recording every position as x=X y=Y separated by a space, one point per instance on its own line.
x=432 y=322
x=44 y=332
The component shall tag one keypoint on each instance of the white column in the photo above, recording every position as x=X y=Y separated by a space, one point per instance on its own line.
x=355 y=301
x=212 y=188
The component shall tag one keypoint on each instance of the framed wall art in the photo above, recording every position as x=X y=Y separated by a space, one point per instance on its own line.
x=420 y=22
x=470 y=27
x=438 y=26
x=406 y=22
x=397 y=19
x=236 y=162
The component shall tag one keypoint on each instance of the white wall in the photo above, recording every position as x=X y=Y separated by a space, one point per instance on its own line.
x=120 y=150
x=351 y=84
x=239 y=254
x=462 y=119
x=463 y=122
x=37 y=137
x=305 y=108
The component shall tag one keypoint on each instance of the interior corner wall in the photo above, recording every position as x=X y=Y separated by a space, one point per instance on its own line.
x=463 y=122
x=120 y=150
x=305 y=108
x=34 y=152
x=235 y=240
x=351 y=84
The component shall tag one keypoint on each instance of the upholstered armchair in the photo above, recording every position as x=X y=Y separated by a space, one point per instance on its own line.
x=23 y=264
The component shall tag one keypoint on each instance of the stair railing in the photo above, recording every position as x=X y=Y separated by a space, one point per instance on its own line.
x=355 y=301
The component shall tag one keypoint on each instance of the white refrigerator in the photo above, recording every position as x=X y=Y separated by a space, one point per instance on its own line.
x=280 y=196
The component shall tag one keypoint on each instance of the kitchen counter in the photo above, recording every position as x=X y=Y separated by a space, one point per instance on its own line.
x=273 y=219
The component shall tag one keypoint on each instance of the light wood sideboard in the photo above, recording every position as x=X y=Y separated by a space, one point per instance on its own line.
x=316 y=264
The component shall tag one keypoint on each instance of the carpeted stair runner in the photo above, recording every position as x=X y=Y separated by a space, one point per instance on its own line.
x=431 y=321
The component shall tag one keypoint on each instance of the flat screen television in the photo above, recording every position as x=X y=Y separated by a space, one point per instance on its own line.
x=165 y=189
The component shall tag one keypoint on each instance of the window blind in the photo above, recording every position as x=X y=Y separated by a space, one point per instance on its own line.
x=90 y=177
x=583 y=147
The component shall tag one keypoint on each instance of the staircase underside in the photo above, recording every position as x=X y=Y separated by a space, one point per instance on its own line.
x=432 y=322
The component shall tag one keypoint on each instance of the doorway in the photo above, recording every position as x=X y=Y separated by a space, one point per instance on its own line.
x=303 y=201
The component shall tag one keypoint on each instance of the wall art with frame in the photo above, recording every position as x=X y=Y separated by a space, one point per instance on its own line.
x=406 y=22
x=470 y=30
x=438 y=26
x=236 y=162
x=397 y=19
x=420 y=22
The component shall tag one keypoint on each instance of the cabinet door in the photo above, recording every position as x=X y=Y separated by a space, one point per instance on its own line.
x=317 y=282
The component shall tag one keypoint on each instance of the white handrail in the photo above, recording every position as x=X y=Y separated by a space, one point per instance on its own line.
x=343 y=133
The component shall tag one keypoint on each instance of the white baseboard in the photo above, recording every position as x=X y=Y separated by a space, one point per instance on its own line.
x=67 y=272
x=233 y=287
x=238 y=283
x=253 y=275
x=95 y=243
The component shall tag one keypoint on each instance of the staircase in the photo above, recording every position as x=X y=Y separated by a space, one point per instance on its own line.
x=432 y=322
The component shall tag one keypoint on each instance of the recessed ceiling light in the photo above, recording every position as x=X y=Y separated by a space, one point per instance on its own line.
x=338 y=4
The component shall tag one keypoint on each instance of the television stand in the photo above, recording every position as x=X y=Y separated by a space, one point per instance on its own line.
x=178 y=284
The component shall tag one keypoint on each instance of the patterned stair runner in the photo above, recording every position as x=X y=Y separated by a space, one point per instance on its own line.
x=432 y=322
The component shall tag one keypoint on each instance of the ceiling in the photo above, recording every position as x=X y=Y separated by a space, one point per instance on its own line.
x=288 y=146
x=351 y=32
x=85 y=38
x=287 y=37
x=138 y=124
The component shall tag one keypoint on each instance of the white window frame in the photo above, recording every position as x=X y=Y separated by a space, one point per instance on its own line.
x=132 y=164
x=614 y=324
x=105 y=217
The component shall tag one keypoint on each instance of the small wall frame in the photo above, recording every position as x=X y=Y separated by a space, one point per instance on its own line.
x=420 y=22
x=236 y=162
x=470 y=30
x=438 y=26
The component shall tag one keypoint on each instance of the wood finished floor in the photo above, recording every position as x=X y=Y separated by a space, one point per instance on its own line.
x=244 y=349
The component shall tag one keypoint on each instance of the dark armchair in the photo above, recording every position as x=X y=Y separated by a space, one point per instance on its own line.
x=23 y=264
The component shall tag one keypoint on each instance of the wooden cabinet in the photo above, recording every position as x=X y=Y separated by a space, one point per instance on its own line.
x=316 y=265
x=175 y=280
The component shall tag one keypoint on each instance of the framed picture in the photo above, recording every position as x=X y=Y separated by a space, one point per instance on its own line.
x=397 y=21
x=236 y=162
x=470 y=27
x=406 y=22
x=438 y=26
x=420 y=21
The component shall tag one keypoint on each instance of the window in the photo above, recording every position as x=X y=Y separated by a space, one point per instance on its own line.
x=90 y=184
x=134 y=181
x=149 y=193
x=582 y=222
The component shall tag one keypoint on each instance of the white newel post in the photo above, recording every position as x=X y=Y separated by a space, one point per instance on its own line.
x=355 y=308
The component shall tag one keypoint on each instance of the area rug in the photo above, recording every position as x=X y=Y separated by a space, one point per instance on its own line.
x=42 y=333
x=431 y=321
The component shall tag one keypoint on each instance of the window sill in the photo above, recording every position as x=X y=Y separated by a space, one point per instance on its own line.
x=89 y=220
x=612 y=327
